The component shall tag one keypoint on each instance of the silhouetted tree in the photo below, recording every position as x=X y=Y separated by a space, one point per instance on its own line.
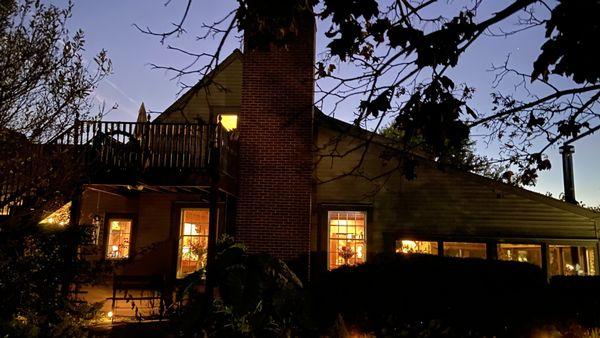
x=45 y=86
x=392 y=58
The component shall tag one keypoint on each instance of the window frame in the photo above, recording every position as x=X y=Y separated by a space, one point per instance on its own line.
x=581 y=244
x=498 y=245
x=179 y=227
x=132 y=235
x=175 y=226
x=323 y=232
x=440 y=251
x=492 y=245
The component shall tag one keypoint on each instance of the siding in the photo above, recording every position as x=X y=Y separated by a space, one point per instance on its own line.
x=223 y=96
x=442 y=203
x=153 y=238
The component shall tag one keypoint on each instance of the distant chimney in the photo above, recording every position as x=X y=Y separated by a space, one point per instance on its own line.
x=568 y=179
x=276 y=138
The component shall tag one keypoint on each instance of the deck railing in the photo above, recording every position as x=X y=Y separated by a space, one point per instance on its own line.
x=141 y=145
x=136 y=147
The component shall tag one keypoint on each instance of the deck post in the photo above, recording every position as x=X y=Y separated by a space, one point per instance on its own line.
x=214 y=171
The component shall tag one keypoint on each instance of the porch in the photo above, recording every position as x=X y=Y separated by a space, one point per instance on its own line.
x=131 y=154
x=152 y=237
x=157 y=153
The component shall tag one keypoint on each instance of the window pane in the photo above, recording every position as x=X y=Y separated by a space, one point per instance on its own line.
x=119 y=237
x=568 y=260
x=527 y=253
x=465 y=250
x=424 y=247
x=193 y=241
x=60 y=217
x=347 y=238
x=229 y=121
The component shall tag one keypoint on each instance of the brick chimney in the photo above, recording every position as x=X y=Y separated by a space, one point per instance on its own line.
x=276 y=137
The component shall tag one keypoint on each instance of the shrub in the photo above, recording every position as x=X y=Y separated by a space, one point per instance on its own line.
x=39 y=268
x=575 y=298
x=392 y=294
x=259 y=296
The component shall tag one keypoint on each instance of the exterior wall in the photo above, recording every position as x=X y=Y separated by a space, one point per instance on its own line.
x=440 y=204
x=154 y=234
x=276 y=138
x=222 y=96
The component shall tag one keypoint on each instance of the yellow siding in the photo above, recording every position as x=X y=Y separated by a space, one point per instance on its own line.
x=439 y=203
x=152 y=233
x=222 y=96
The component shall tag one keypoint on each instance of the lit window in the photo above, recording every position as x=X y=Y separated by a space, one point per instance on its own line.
x=347 y=238
x=229 y=121
x=526 y=253
x=572 y=260
x=465 y=250
x=193 y=241
x=423 y=247
x=60 y=217
x=119 y=238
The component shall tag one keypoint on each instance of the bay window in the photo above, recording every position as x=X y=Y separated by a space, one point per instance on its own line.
x=347 y=238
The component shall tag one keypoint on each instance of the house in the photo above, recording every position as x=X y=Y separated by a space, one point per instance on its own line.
x=246 y=153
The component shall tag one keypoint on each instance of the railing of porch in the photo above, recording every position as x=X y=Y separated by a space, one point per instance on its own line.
x=140 y=145
x=136 y=146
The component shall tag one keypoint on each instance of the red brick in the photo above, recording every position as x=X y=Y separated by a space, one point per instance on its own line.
x=276 y=138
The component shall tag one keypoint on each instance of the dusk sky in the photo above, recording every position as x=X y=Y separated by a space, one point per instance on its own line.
x=108 y=24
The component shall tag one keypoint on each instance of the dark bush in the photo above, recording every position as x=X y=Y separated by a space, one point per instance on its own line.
x=394 y=294
x=575 y=298
x=259 y=296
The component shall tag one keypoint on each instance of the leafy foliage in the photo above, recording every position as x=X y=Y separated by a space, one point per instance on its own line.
x=45 y=80
x=259 y=296
x=40 y=268
x=46 y=85
x=382 y=56
x=271 y=22
x=430 y=296
x=572 y=46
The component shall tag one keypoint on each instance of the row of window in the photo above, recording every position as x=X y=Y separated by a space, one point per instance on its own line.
x=563 y=259
x=348 y=246
x=193 y=240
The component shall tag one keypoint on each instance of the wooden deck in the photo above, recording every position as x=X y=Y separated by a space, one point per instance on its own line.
x=106 y=152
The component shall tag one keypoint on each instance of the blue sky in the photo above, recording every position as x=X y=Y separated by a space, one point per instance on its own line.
x=108 y=24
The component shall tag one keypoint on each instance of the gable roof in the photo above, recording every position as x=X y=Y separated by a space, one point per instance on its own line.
x=183 y=99
x=355 y=131
x=323 y=120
